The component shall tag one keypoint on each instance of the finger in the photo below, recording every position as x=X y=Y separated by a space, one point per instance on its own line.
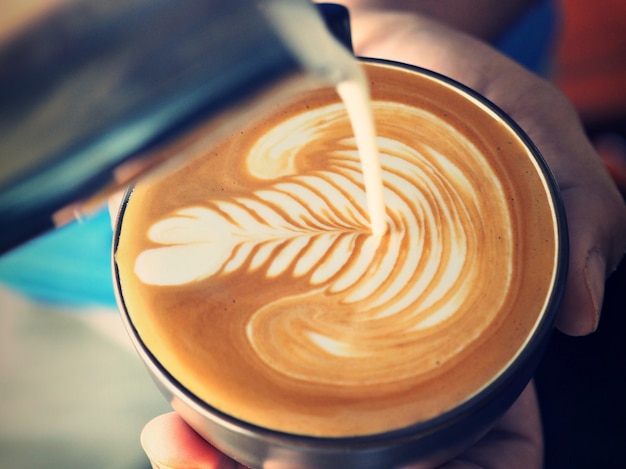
x=580 y=308
x=170 y=443
x=596 y=219
x=515 y=442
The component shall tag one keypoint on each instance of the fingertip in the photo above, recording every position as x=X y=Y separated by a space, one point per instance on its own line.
x=170 y=443
x=579 y=312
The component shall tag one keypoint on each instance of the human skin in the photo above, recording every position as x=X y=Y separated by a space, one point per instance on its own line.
x=415 y=33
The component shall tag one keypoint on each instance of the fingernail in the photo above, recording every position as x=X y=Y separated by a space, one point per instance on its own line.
x=595 y=276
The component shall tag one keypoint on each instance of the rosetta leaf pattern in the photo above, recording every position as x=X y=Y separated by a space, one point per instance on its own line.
x=417 y=291
x=272 y=230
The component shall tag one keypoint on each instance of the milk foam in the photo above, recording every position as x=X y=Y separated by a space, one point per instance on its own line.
x=396 y=289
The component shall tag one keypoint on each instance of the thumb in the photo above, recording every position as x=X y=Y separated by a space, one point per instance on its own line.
x=597 y=227
x=170 y=443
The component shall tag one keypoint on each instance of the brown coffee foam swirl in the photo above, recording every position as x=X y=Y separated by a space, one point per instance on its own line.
x=369 y=299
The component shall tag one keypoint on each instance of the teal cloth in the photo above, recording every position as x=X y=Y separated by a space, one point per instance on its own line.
x=72 y=265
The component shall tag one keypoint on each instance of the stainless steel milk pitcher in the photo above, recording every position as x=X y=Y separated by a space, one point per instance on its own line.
x=92 y=90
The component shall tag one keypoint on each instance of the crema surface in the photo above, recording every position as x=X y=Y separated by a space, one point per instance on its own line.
x=253 y=278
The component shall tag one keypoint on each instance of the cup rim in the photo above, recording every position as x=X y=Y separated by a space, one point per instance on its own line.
x=527 y=356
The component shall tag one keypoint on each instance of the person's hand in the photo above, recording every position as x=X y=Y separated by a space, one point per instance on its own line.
x=515 y=442
x=595 y=210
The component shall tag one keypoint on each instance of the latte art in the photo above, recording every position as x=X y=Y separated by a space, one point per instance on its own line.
x=367 y=297
x=252 y=275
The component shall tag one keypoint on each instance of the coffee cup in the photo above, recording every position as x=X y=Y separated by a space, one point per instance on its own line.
x=281 y=329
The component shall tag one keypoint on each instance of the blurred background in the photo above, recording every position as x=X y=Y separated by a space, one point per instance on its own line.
x=73 y=394
x=590 y=68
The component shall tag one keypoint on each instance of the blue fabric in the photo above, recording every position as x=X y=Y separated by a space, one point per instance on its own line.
x=72 y=265
x=530 y=40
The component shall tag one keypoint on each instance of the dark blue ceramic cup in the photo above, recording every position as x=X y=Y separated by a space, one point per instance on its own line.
x=436 y=438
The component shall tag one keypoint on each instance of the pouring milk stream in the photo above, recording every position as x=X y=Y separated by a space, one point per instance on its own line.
x=323 y=55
